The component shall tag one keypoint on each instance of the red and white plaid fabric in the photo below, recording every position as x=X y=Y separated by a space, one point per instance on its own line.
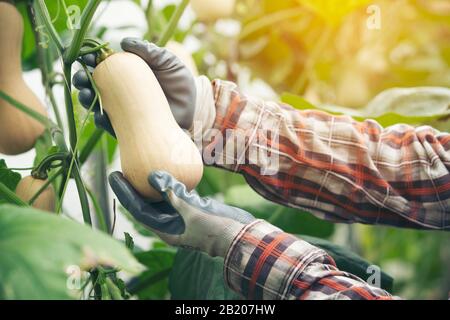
x=264 y=263
x=338 y=169
x=333 y=166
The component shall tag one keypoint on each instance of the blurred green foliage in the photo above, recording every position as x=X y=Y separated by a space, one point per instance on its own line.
x=324 y=54
x=323 y=51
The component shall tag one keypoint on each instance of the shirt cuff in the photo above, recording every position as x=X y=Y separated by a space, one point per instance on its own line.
x=263 y=261
x=205 y=111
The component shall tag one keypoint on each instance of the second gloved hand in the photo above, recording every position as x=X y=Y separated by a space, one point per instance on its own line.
x=183 y=219
x=174 y=77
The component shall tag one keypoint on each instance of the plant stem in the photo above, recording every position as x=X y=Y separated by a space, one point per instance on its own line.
x=43 y=12
x=100 y=183
x=270 y=20
x=11 y=196
x=43 y=63
x=113 y=290
x=173 y=23
x=90 y=144
x=45 y=185
x=99 y=212
x=84 y=201
x=41 y=170
x=88 y=13
x=32 y=113
x=73 y=170
x=51 y=96
x=69 y=106
x=149 y=17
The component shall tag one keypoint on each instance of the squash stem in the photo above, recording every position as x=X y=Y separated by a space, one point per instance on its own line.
x=90 y=145
x=173 y=23
x=42 y=57
x=69 y=105
x=84 y=201
x=40 y=172
x=73 y=51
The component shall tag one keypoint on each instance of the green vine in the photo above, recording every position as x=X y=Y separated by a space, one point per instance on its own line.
x=173 y=23
x=41 y=171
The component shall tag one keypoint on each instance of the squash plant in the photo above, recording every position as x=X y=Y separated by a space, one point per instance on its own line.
x=60 y=258
x=83 y=262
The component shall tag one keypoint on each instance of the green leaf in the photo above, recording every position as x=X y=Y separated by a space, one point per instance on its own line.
x=409 y=106
x=8 y=177
x=153 y=283
x=37 y=249
x=288 y=219
x=348 y=261
x=197 y=276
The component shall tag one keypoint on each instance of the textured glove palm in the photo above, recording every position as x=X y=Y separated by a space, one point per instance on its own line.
x=184 y=218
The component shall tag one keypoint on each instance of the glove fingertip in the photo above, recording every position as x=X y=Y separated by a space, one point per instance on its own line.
x=80 y=80
x=90 y=59
x=86 y=97
x=102 y=121
x=133 y=45
x=115 y=177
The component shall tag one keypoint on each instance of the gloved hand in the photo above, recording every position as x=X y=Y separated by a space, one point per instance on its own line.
x=174 y=77
x=184 y=218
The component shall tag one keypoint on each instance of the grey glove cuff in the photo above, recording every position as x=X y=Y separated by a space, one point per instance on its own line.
x=205 y=109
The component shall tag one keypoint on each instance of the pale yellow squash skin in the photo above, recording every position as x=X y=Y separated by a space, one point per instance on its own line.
x=149 y=137
x=211 y=10
x=178 y=49
x=18 y=131
x=28 y=187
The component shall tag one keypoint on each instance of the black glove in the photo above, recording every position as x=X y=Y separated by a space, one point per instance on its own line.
x=174 y=77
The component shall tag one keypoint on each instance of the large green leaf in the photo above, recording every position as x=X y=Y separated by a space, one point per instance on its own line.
x=37 y=249
x=153 y=283
x=288 y=219
x=409 y=106
x=197 y=276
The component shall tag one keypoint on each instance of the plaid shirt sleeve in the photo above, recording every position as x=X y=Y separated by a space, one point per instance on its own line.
x=264 y=263
x=337 y=168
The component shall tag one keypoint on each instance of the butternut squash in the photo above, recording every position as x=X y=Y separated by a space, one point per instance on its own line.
x=29 y=186
x=211 y=10
x=180 y=51
x=18 y=131
x=149 y=137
